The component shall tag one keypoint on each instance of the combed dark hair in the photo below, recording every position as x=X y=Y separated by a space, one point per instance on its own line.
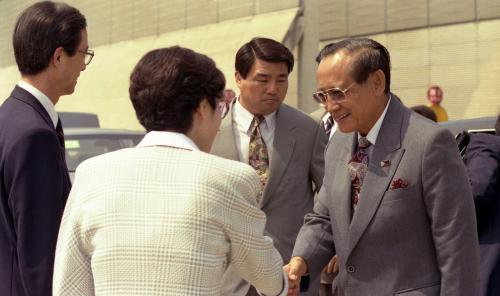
x=41 y=29
x=370 y=56
x=168 y=84
x=425 y=112
x=263 y=49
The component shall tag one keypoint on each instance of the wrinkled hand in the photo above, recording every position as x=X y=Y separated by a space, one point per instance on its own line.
x=295 y=270
x=332 y=266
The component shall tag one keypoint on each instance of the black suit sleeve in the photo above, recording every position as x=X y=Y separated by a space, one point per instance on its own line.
x=37 y=203
x=482 y=167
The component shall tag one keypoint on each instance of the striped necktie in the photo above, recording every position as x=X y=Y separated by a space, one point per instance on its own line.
x=328 y=126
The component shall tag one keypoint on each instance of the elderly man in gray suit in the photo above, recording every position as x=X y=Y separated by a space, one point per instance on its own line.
x=284 y=145
x=397 y=208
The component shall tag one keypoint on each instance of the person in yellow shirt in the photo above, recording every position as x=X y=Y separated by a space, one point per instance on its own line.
x=435 y=96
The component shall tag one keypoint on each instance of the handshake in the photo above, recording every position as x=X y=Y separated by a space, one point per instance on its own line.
x=297 y=267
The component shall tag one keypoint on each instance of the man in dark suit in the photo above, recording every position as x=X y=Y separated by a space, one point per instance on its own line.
x=482 y=159
x=51 y=49
x=397 y=209
x=284 y=146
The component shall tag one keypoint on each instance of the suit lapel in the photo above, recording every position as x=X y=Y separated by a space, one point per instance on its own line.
x=378 y=177
x=340 y=153
x=23 y=95
x=283 y=147
x=26 y=97
x=225 y=142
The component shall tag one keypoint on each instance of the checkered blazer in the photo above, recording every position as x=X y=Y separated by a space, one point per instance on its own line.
x=163 y=221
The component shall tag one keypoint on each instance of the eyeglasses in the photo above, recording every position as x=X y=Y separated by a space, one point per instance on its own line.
x=223 y=108
x=335 y=94
x=89 y=54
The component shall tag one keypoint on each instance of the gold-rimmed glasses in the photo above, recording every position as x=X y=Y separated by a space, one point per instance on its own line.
x=335 y=94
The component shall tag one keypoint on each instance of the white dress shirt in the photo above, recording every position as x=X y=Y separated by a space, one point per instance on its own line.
x=373 y=133
x=42 y=98
x=242 y=120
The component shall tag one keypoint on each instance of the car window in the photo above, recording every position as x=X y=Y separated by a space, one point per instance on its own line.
x=80 y=148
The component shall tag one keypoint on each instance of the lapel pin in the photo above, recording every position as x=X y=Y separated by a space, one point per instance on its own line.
x=385 y=163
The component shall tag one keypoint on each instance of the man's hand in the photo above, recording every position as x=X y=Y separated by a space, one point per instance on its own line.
x=295 y=269
x=332 y=267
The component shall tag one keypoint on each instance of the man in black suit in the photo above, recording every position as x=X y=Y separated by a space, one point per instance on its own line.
x=482 y=159
x=51 y=49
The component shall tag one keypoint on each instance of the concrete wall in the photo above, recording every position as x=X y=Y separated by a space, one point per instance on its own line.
x=112 y=21
x=342 y=18
x=103 y=87
x=453 y=43
x=464 y=59
x=125 y=30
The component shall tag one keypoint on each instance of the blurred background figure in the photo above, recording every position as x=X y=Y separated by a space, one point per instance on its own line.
x=482 y=159
x=325 y=119
x=425 y=112
x=435 y=98
x=229 y=95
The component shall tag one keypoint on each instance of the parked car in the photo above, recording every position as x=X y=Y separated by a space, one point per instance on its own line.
x=78 y=119
x=474 y=125
x=463 y=128
x=84 y=143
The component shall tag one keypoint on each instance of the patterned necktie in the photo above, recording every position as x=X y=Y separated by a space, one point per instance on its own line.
x=358 y=166
x=60 y=133
x=328 y=126
x=258 y=157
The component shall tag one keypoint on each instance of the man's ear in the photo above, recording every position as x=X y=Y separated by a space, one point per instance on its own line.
x=203 y=110
x=57 y=56
x=378 y=82
x=238 y=78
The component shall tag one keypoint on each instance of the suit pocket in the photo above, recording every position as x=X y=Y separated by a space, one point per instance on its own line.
x=397 y=194
x=433 y=290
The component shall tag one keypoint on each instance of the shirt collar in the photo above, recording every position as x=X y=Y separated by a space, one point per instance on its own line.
x=171 y=139
x=42 y=98
x=373 y=133
x=244 y=118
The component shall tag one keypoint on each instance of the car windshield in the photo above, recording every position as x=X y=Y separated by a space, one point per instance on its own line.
x=82 y=147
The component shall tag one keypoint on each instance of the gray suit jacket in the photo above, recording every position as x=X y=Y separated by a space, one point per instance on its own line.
x=296 y=173
x=418 y=239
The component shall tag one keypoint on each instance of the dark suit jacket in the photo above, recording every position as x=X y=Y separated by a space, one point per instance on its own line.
x=414 y=230
x=34 y=185
x=483 y=166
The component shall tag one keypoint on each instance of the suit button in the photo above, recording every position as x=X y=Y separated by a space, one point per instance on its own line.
x=351 y=269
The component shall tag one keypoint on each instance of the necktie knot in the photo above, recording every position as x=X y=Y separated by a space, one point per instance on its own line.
x=257 y=120
x=363 y=143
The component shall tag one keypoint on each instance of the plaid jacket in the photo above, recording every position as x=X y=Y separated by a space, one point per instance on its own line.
x=163 y=221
